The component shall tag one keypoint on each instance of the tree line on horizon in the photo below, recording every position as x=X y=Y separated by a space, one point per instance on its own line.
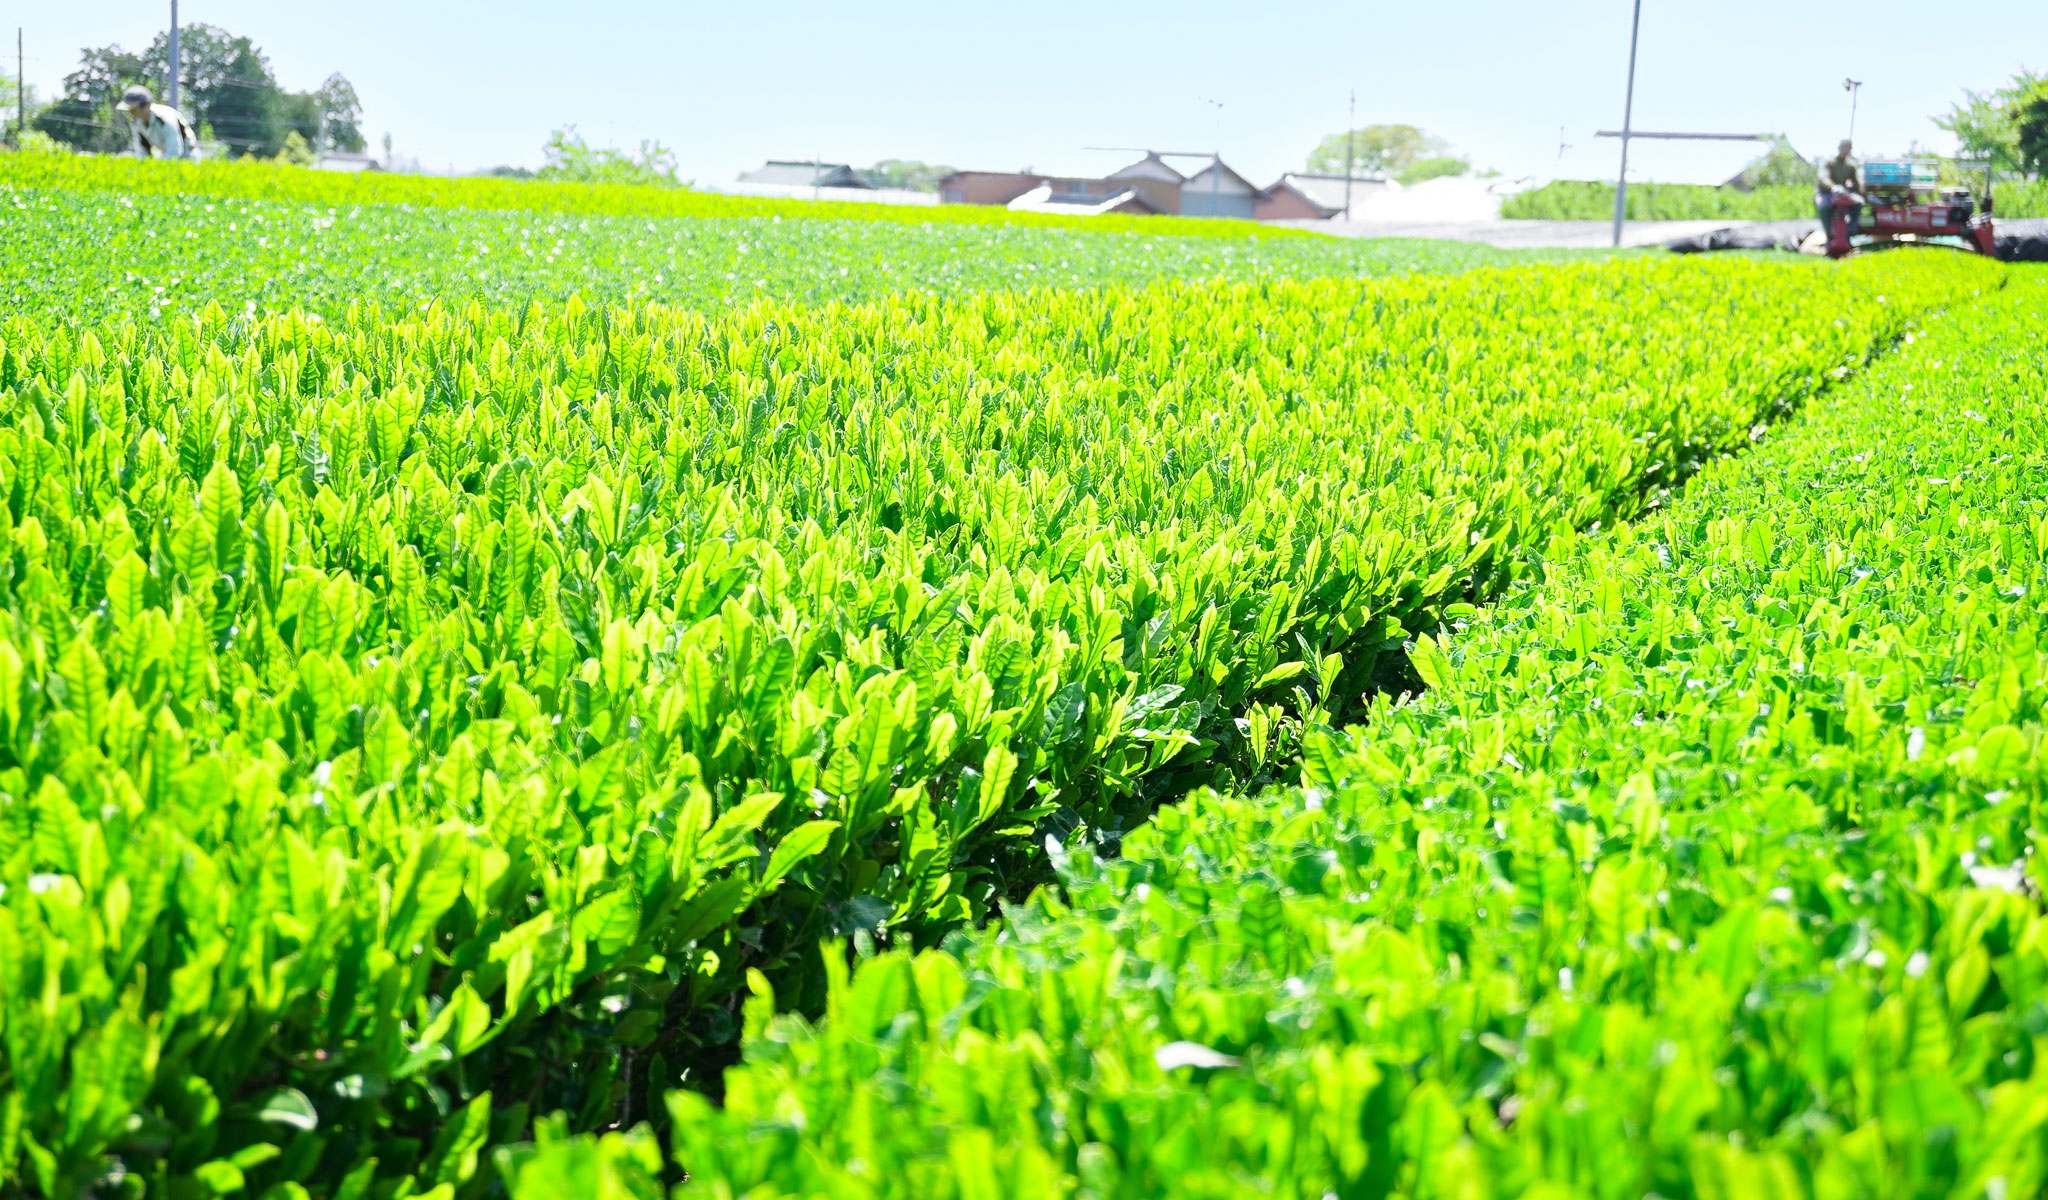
x=227 y=91
x=233 y=99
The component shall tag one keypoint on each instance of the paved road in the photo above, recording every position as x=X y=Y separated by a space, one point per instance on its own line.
x=1529 y=235
x=1523 y=235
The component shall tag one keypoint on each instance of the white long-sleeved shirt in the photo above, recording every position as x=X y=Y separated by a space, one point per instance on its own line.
x=163 y=135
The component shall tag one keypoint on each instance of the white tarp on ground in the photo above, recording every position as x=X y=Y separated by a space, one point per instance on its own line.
x=1445 y=199
x=1039 y=200
x=1519 y=235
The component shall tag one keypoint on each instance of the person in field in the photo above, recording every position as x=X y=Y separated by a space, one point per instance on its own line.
x=1838 y=187
x=155 y=130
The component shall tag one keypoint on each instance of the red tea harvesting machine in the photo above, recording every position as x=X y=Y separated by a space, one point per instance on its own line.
x=1904 y=202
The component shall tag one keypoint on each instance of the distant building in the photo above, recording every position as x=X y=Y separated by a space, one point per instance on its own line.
x=986 y=187
x=341 y=160
x=1151 y=178
x=848 y=195
x=1283 y=201
x=1151 y=185
x=1328 y=192
x=806 y=174
x=1083 y=189
x=1218 y=191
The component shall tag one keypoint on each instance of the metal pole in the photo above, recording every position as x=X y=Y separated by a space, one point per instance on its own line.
x=21 y=91
x=1216 y=163
x=1350 y=151
x=1628 y=111
x=171 y=96
x=1854 y=87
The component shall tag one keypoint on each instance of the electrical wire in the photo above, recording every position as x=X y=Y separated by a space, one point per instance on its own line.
x=50 y=116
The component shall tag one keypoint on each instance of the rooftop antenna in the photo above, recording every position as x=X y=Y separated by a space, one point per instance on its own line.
x=1852 y=86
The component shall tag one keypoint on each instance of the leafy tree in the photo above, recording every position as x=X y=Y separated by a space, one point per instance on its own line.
x=244 y=104
x=225 y=86
x=327 y=118
x=1377 y=149
x=84 y=117
x=907 y=173
x=1435 y=167
x=572 y=159
x=2030 y=129
x=300 y=112
x=12 y=101
x=341 y=115
x=1780 y=166
x=1989 y=125
x=298 y=151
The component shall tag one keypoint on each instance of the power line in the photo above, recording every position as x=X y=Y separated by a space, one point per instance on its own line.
x=225 y=141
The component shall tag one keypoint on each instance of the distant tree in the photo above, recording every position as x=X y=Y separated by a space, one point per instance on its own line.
x=906 y=173
x=571 y=159
x=83 y=118
x=225 y=86
x=297 y=150
x=1377 y=149
x=1989 y=125
x=341 y=115
x=2030 y=129
x=206 y=53
x=300 y=112
x=1780 y=166
x=244 y=104
x=10 y=95
x=1434 y=168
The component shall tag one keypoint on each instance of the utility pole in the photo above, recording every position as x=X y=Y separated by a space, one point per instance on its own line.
x=1628 y=112
x=1853 y=87
x=1350 y=150
x=1216 y=164
x=20 y=90
x=171 y=91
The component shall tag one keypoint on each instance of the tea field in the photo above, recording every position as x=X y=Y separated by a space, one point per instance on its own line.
x=1703 y=866
x=1041 y=713
x=254 y=238
x=147 y=258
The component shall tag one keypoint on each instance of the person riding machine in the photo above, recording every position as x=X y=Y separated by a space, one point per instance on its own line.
x=1838 y=198
x=1898 y=201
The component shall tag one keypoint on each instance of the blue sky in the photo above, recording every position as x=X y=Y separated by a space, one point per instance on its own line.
x=466 y=84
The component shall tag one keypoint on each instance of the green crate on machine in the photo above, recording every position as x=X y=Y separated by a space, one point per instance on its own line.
x=1902 y=174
